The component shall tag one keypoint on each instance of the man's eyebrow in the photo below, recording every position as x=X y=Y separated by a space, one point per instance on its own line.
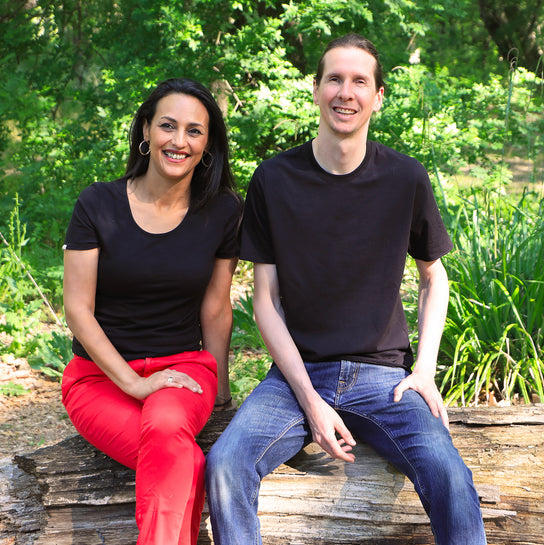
x=353 y=76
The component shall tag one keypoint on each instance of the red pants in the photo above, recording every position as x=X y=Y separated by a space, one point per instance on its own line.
x=156 y=437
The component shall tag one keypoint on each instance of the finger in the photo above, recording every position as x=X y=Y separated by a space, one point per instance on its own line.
x=345 y=447
x=345 y=434
x=398 y=391
x=193 y=386
x=444 y=416
x=340 y=447
x=171 y=381
x=342 y=453
x=335 y=450
x=181 y=380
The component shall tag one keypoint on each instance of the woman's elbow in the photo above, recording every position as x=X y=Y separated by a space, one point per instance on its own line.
x=215 y=314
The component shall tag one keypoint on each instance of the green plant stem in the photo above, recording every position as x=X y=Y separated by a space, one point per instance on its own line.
x=27 y=272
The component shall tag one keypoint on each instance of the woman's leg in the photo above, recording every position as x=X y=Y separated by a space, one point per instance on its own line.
x=102 y=413
x=155 y=437
x=170 y=471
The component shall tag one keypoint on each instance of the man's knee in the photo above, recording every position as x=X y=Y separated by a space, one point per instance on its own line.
x=222 y=458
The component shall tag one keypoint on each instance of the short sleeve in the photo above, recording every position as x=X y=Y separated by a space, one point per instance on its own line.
x=230 y=244
x=82 y=233
x=429 y=239
x=256 y=239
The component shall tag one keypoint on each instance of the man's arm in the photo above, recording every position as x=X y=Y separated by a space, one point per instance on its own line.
x=324 y=421
x=432 y=309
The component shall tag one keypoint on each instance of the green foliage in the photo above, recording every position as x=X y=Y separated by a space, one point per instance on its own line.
x=494 y=335
x=246 y=371
x=76 y=71
x=251 y=361
x=86 y=66
x=18 y=306
x=52 y=353
x=439 y=120
x=245 y=333
x=11 y=389
x=22 y=303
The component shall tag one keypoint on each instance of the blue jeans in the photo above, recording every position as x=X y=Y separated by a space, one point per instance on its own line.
x=270 y=428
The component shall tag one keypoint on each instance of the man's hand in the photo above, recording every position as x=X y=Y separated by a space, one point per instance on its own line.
x=424 y=384
x=325 y=423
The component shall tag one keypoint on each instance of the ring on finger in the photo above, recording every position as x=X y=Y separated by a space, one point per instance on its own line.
x=170 y=379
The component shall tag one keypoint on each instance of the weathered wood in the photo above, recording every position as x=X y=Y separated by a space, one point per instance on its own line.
x=72 y=494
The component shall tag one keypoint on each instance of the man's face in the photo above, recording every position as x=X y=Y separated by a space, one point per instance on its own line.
x=347 y=94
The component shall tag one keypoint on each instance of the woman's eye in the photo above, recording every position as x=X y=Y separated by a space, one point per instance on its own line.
x=195 y=132
x=168 y=126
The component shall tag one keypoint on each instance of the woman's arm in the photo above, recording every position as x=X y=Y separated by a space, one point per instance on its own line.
x=80 y=276
x=216 y=322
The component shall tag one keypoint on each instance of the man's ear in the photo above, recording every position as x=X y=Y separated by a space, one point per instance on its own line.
x=378 y=100
x=314 y=92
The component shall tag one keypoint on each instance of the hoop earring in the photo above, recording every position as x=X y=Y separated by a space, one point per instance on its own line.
x=207 y=165
x=140 y=147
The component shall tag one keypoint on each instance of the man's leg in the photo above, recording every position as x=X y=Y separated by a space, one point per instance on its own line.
x=417 y=443
x=267 y=430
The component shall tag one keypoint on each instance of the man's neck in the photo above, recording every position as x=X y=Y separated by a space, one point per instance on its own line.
x=339 y=155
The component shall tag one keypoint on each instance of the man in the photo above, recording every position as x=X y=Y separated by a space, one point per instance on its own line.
x=328 y=225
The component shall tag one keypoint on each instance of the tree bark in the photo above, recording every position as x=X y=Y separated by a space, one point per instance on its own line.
x=517 y=28
x=70 y=493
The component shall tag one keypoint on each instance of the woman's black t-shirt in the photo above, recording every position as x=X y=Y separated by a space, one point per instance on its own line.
x=150 y=286
x=339 y=243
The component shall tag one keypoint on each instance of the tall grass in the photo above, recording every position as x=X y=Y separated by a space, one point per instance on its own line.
x=493 y=342
x=29 y=326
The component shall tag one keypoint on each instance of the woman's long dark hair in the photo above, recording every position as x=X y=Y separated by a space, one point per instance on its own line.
x=208 y=180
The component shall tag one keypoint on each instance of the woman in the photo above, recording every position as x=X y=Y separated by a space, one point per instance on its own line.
x=148 y=265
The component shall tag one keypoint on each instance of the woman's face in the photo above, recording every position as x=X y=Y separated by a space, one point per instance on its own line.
x=177 y=136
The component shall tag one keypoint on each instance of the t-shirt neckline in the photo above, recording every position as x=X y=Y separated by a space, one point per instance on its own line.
x=362 y=165
x=138 y=226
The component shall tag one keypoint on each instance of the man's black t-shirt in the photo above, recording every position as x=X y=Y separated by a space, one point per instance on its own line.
x=339 y=243
x=150 y=286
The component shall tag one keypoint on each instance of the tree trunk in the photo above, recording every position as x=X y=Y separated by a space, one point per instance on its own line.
x=516 y=28
x=70 y=493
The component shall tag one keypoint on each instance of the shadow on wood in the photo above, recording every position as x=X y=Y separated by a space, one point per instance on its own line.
x=71 y=494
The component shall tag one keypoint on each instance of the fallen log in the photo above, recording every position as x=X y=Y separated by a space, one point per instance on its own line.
x=70 y=493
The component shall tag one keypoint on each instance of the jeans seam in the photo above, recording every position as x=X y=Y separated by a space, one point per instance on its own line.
x=353 y=380
x=394 y=441
x=255 y=494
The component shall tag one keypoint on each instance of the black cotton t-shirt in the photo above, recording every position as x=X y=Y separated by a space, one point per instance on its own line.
x=150 y=286
x=339 y=243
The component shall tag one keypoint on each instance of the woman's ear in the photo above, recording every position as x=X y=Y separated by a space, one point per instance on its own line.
x=145 y=130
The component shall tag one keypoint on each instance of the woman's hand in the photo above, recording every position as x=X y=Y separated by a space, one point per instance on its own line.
x=167 y=378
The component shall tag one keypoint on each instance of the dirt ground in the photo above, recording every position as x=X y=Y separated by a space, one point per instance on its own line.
x=35 y=419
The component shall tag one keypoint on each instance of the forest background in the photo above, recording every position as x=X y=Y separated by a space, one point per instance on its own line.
x=465 y=95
